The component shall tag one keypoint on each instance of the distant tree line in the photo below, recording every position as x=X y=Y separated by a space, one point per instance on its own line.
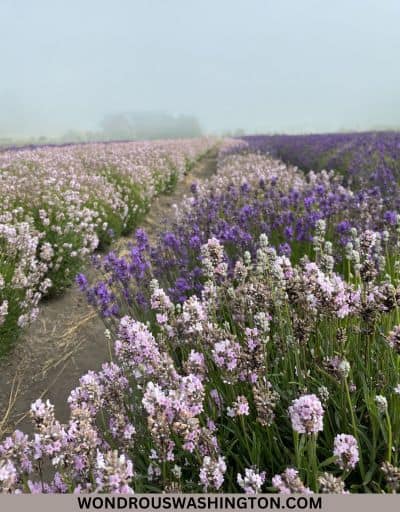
x=123 y=126
x=149 y=125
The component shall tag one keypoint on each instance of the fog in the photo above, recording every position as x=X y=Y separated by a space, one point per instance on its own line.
x=69 y=67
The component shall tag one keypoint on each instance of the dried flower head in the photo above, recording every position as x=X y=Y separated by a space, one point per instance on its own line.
x=392 y=476
x=393 y=339
x=330 y=484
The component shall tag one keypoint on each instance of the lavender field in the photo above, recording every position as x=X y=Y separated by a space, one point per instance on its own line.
x=59 y=204
x=254 y=341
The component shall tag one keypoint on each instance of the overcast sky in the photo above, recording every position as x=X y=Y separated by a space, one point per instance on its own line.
x=260 y=65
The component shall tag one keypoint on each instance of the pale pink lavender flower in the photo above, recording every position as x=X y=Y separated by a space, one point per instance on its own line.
x=18 y=448
x=8 y=476
x=137 y=348
x=226 y=354
x=212 y=473
x=159 y=299
x=42 y=411
x=193 y=316
x=46 y=252
x=196 y=363
x=393 y=339
x=113 y=472
x=345 y=449
x=240 y=407
x=252 y=481
x=289 y=482
x=217 y=399
x=212 y=254
x=306 y=414
x=252 y=338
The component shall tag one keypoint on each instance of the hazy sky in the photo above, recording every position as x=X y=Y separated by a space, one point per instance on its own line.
x=260 y=65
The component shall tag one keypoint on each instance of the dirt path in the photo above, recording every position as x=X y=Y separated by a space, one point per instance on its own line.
x=68 y=339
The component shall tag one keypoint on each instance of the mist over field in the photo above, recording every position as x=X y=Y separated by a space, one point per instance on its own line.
x=131 y=69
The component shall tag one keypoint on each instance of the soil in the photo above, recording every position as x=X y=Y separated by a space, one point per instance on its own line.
x=68 y=338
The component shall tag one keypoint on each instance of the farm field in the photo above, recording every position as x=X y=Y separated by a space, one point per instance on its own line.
x=239 y=331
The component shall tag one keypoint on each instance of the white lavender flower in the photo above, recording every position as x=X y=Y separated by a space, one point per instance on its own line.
x=381 y=403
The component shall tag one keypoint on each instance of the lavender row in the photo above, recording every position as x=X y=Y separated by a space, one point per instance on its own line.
x=252 y=194
x=58 y=204
x=366 y=159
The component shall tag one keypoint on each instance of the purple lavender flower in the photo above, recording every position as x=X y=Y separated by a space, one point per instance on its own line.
x=82 y=282
x=390 y=217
